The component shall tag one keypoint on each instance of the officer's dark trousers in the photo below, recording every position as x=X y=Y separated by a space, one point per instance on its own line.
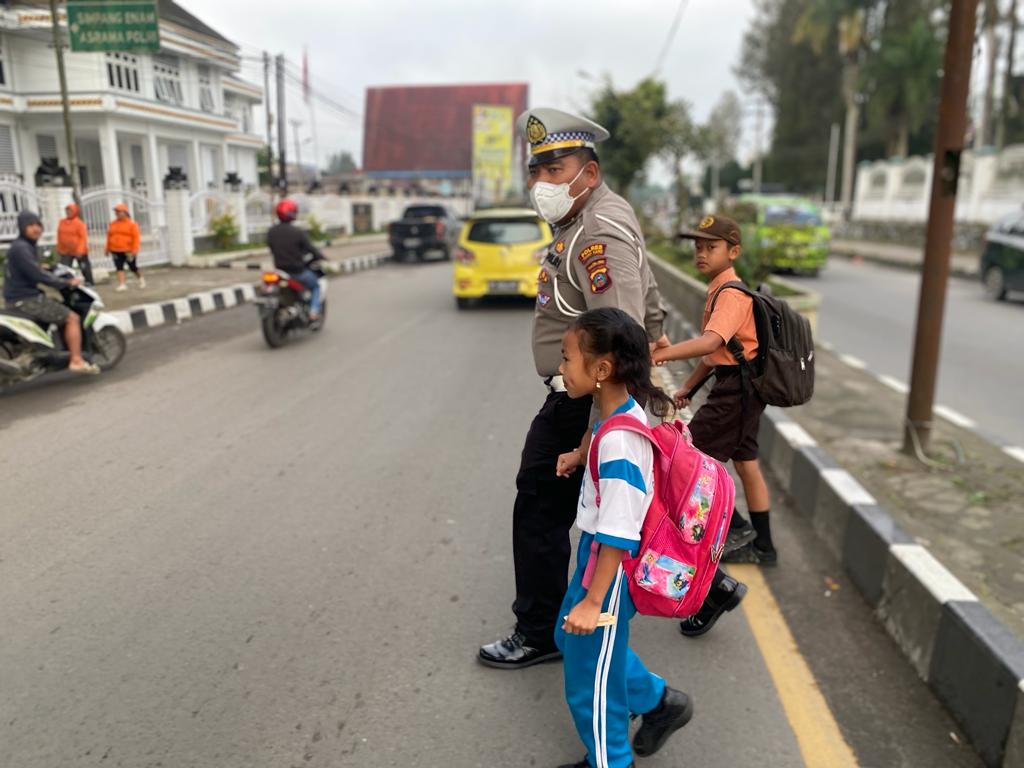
x=544 y=512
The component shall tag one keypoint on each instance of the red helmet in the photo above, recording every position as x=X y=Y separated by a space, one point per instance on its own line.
x=287 y=210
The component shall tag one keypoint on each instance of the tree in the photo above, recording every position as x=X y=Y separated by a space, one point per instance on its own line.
x=341 y=162
x=802 y=86
x=682 y=140
x=638 y=122
x=902 y=75
x=720 y=137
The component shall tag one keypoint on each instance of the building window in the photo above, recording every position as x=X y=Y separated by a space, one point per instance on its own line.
x=167 y=79
x=3 y=72
x=206 y=100
x=7 y=165
x=123 y=71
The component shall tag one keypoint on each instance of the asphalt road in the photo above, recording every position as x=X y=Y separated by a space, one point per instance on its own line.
x=225 y=556
x=869 y=312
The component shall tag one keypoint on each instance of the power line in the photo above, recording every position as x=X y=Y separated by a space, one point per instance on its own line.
x=680 y=10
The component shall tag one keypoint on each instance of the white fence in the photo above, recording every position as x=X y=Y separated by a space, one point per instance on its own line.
x=14 y=199
x=991 y=186
x=98 y=212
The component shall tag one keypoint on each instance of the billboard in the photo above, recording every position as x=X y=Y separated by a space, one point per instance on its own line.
x=492 y=152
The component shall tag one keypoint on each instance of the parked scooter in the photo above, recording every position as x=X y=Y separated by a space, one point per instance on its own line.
x=29 y=349
x=283 y=303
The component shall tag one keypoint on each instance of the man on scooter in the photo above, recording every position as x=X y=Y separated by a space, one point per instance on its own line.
x=290 y=246
x=22 y=277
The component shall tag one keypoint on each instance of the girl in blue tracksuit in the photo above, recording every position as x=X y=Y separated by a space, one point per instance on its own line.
x=606 y=354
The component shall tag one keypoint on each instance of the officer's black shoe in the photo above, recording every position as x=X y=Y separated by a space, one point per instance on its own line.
x=514 y=653
x=674 y=711
x=737 y=537
x=751 y=553
x=726 y=596
x=584 y=764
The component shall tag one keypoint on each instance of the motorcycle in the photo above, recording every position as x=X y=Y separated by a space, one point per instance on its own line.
x=29 y=349
x=283 y=304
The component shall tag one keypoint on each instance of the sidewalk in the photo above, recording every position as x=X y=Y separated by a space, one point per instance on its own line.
x=903 y=256
x=168 y=283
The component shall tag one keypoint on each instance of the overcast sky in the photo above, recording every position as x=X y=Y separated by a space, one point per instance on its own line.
x=552 y=46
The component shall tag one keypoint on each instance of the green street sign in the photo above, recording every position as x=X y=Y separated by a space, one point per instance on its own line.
x=110 y=25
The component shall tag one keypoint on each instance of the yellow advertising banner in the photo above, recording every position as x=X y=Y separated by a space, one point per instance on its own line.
x=492 y=152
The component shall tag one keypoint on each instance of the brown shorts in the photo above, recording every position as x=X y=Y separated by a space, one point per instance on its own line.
x=722 y=427
x=42 y=309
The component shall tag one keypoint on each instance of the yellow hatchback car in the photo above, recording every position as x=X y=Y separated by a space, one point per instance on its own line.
x=499 y=254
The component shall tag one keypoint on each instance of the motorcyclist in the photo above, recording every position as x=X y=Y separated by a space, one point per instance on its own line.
x=290 y=246
x=22 y=277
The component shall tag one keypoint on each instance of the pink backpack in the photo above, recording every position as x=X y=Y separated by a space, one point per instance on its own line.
x=683 y=535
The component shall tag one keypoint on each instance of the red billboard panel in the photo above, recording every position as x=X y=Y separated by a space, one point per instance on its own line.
x=428 y=130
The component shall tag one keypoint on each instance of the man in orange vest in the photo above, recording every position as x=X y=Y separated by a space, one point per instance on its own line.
x=73 y=242
x=123 y=245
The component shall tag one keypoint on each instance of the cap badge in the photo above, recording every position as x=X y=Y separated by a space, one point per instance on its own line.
x=706 y=222
x=535 y=130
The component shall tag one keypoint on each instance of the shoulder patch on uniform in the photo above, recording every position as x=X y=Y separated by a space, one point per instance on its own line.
x=600 y=279
x=592 y=250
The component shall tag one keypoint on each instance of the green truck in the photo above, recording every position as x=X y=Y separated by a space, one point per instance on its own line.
x=784 y=233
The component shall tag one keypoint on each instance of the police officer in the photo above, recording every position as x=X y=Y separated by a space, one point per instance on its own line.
x=597 y=259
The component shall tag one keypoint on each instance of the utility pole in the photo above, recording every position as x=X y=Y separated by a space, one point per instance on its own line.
x=58 y=46
x=833 y=162
x=1011 y=52
x=270 y=118
x=298 y=155
x=949 y=142
x=282 y=132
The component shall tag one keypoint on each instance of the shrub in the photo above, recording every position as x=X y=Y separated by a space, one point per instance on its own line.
x=224 y=229
x=317 y=232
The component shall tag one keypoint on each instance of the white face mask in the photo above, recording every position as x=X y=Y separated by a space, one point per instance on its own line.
x=554 y=201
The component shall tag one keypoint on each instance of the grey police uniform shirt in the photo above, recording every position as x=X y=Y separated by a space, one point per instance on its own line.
x=598 y=259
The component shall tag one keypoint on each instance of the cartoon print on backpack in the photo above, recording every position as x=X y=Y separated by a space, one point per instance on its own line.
x=665 y=576
x=695 y=517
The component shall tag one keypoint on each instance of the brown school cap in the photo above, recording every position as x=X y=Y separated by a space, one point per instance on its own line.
x=714 y=228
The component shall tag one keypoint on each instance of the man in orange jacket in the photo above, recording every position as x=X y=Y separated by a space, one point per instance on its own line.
x=123 y=245
x=73 y=242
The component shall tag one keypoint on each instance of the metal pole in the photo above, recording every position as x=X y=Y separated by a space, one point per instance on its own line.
x=833 y=162
x=949 y=142
x=270 y=118
x=298 y=154
x=282 y=132
x=58 y=46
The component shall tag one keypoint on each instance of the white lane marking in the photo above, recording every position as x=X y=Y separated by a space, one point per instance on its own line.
x=942 y=584
x=1014 y=451
x=828 y=346
x=846 y=486
x=853 y=362
x=954 y=416
x=795 y=435
x=892 y=383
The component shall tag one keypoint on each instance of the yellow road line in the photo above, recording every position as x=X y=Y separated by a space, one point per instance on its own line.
x=817 y=734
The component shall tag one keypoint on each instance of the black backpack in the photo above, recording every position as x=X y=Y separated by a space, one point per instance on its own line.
x=783 y=371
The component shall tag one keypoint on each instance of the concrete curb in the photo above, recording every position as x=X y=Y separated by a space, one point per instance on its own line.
x=955 y=268
x=145 y=316
x=973 y=663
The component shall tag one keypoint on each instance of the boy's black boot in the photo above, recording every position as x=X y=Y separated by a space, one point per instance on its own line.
x=674 y=711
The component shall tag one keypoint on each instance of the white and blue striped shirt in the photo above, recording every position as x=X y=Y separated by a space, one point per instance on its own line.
x=625 y=468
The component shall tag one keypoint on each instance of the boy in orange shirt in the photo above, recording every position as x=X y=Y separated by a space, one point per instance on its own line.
x=73 y=242
x=123 y=241
x=726 y=426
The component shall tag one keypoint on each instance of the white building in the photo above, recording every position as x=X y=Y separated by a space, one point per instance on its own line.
x=133 y=115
